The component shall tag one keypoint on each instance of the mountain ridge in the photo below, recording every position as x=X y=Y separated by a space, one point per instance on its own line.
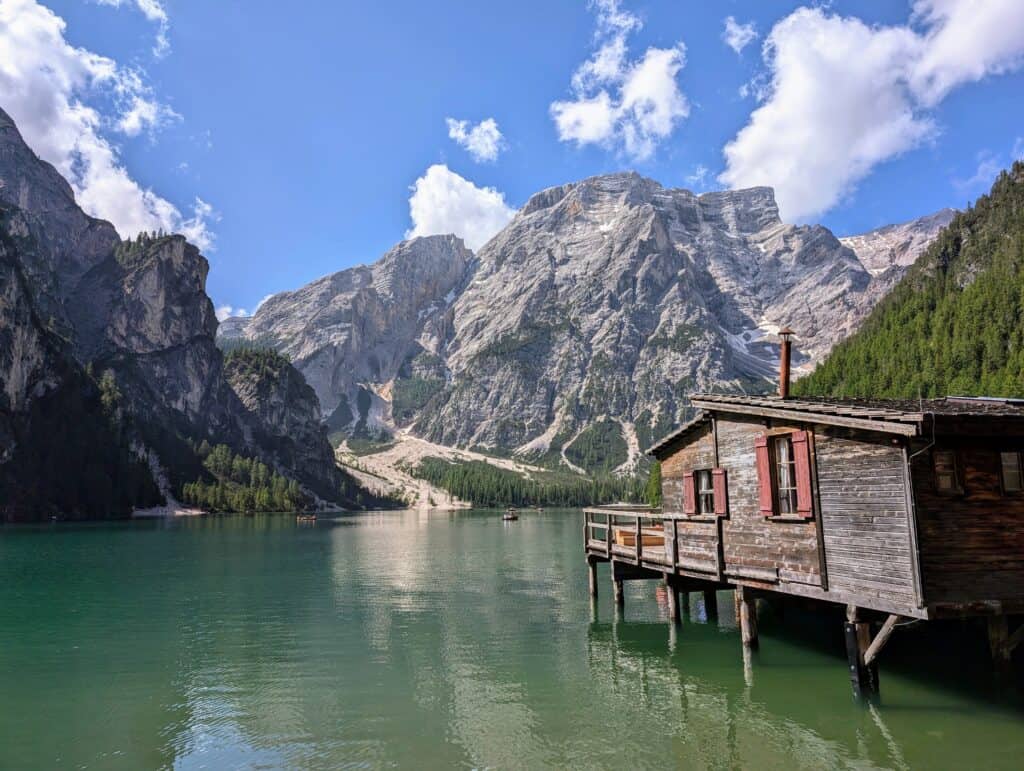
x=121 y=333
x=585 y=322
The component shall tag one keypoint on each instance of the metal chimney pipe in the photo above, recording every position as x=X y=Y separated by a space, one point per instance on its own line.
x=785 y=350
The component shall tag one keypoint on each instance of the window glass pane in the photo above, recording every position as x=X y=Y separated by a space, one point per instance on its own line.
x=1011 y=471
x=785 y=474
x=705 y=492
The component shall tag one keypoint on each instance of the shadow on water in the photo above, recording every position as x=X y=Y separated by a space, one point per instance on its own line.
x=789 y=704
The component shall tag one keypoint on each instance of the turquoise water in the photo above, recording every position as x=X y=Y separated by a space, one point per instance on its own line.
x=429 y=641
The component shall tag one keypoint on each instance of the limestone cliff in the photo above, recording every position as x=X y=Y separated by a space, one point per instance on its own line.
x=85 y=312
x=584 y=323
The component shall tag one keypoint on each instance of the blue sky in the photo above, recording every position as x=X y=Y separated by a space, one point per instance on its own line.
x=287 y=140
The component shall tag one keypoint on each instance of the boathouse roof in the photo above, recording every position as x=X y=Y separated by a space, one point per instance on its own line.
x=896 y=416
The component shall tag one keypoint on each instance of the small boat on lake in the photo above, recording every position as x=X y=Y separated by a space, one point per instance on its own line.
x=304 y=518
x=510 y=515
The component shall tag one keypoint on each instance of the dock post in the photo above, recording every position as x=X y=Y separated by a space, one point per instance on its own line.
x=592 y=572
x=747 y=603
x=620 y=600
x=863 y=677
x=673 y=599
x=710 y=604
x=684 y=603
x=999 y=644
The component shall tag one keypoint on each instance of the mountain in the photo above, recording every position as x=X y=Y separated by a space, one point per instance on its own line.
x=575 y=335
x=896 y=247
x=111 y=378
x=357 y=328
x=954 y=325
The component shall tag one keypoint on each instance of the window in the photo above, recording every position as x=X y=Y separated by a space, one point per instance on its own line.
x=705 y=491
x=945 y=471
x=785 y=473
x=1013 y=479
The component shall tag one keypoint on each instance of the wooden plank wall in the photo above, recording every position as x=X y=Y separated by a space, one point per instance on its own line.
x=697 y=543
x=972 y=544
x=863 y=504
x=754 y=546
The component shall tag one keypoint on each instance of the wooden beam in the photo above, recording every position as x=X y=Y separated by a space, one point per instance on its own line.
x=886 y=427
x=863 y=676
x=710 y=604
x=747 y=603
x=1016 y=638
x=673 y=599
x=998 y=643
x=880 y=639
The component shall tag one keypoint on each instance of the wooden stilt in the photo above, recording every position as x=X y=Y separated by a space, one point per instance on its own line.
x=592 y=571
x=748 y=617
x=673 y=599
x=863 y=676
x=711 y=604
x=999 y=644
x=620 y=600
x=684 y=602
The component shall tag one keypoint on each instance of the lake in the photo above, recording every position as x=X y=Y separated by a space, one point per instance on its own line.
x=435 y=640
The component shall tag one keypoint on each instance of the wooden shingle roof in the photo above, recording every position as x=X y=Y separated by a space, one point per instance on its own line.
x=896 y=416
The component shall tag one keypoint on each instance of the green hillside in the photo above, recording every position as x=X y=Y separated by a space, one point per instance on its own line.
x=955 y=323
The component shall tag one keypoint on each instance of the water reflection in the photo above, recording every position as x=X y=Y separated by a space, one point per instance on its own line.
x=399 y=640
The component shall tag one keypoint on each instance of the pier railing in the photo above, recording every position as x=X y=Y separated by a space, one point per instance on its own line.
x=637 y=533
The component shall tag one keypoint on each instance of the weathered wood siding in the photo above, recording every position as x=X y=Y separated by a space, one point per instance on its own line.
x=863 y=505
x=972 y=544
x=753 y=546
x=697 y=541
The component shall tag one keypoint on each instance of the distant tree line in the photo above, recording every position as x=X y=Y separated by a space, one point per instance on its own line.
x=242 y=484
x=955 y=323
x=486 y=484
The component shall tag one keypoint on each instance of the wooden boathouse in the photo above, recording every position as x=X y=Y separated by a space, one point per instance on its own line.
x=897 y=510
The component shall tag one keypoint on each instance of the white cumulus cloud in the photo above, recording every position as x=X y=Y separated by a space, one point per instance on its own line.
x=155 y=12
x=230 y=311
x=482 y=141
x=443 y=202
x=618 y=102
x=844 y=96
x=738 y=36
x=49 y=87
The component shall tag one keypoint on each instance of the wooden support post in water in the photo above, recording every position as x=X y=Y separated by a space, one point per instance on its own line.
x=998 y=644
x=592 y=572
x=673 y=599
x=684 y=600
x=620 y=600
x=710 y=604
x=748 y=617
x=863 y=676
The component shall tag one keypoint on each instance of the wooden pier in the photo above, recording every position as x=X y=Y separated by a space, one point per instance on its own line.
x=894 y=511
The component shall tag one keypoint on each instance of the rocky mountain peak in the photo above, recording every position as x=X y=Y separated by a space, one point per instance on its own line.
x=896 y=247
x=583 y=324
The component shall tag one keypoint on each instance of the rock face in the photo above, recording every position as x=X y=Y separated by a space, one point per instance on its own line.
x=582 y=325
x=279 y=399
x=78 y=301
x=896 y=247
x=349 y=333
x=627 y=297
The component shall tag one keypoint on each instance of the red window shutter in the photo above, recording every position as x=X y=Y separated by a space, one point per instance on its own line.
x=802 y=461
x=689 y=494
x=764 y=475
x=721 y=491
